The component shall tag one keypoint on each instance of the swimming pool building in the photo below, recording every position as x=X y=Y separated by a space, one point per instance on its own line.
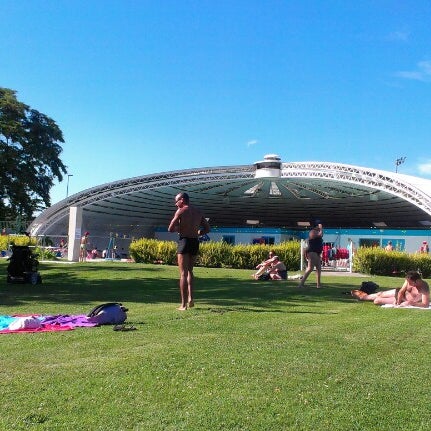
x=267 y=201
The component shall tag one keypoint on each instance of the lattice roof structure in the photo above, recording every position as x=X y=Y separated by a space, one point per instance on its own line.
x=270 y=193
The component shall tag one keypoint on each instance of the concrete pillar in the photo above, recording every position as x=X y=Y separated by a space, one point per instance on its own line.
x=75 y=226
x=303 y=247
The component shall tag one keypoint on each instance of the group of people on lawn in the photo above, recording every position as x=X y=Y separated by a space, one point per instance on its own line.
x=271 y=269
x=274 y=269
x=414 y=292
x=190 y=223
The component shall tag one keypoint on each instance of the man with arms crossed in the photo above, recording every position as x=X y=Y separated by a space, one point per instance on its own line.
x=189 y=222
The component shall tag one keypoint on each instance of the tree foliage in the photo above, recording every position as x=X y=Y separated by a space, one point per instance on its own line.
x=29 y=157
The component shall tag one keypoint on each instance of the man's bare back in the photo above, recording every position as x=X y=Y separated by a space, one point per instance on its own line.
x=187 y=221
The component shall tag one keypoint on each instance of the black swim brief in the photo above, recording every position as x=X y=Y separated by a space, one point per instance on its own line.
x=283 y=274
x=188 y=246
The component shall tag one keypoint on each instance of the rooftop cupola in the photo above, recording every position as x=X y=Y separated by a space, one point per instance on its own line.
x=269 y=167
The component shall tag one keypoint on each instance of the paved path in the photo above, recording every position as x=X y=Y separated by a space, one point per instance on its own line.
x=344 y=273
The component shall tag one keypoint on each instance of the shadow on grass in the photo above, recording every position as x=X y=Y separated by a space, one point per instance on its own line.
x=89 y=283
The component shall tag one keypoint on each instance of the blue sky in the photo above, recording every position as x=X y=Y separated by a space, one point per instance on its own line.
x=140 y=87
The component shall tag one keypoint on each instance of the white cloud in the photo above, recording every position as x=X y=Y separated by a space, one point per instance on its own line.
x=425 y=168
x=252 y=142
x=401 y=36
x=422 y=73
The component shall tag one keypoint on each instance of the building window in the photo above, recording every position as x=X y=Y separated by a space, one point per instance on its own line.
x=369 y=242
x=229 y=239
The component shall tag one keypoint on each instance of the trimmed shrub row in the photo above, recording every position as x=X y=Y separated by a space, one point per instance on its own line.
x=217 y=254
x=377 y=261
x=374 y=261
x=153 y=251
x=6 y=240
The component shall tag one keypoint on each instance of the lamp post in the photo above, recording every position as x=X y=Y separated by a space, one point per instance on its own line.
x=398 y=162
x=67 y=188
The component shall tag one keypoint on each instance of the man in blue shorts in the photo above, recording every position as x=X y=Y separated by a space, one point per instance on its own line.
x=190 y=223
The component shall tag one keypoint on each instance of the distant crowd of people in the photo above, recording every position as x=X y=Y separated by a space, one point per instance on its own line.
x=423 y=249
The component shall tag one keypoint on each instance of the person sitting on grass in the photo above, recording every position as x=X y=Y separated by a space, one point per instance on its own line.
x=264 y=266
x=94 y=253
x=277 y=270
x=414 y=292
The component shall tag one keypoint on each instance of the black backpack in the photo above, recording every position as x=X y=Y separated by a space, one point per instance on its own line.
x=111 y=313
x=98 y=308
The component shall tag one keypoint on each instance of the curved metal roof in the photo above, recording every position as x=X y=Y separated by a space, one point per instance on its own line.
x=273 y=193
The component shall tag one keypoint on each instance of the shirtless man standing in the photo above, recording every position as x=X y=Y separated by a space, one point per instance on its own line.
x=414 y=292
x=83 y=247
x=189 y=222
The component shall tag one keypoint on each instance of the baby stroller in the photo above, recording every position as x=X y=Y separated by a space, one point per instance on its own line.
x=23 y=266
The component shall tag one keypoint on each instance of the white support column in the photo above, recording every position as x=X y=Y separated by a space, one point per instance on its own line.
x=350 y=248
x=303 y=246
x=75 y=225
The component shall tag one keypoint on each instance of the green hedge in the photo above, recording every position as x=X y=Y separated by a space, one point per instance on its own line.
x=152 y=250
x=217 y=254
x=212 y=254
x=377 y=261
x=6 y=240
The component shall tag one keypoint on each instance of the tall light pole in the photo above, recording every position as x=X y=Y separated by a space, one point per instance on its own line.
x=67 y=188
x=398 y=162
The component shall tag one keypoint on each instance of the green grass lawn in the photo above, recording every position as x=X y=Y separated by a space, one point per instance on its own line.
x=250 y=356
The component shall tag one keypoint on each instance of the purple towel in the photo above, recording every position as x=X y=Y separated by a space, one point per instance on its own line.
x=66 y=320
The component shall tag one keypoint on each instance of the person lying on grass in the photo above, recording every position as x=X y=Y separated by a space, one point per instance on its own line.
x=414 y=292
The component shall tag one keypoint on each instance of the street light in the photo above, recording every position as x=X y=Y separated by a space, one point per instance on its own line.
x=67 y=188
x=398 y=162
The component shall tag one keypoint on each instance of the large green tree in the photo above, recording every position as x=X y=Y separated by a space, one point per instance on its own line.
x=29 y=157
